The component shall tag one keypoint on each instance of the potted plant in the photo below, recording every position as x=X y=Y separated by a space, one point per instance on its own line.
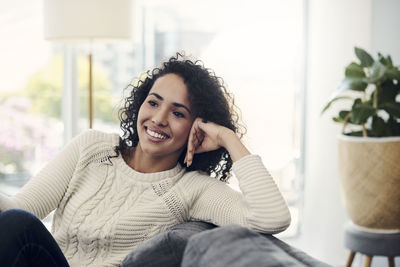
x=369 y=147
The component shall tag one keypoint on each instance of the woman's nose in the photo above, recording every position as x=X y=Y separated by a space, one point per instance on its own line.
x=160 y=118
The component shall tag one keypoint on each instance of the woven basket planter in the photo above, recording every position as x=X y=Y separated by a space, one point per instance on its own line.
x=369 y=170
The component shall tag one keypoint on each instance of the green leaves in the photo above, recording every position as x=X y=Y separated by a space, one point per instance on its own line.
x=387 y=61
x=381 y=128
x=393 y=108
x=364 y=57
x=355 y=84
x=360 y=112
x=393 y=73
x=333 y=100
x=354 y=70
x=377 y=72
x=354 y=80
x=387 y=92
x=343 y=116
x=394 y=127
x=378 y=84
x=378 y=126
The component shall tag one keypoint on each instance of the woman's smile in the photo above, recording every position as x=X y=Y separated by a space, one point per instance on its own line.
x=155 y=135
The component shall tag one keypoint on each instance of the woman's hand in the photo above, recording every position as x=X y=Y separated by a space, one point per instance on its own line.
x=209 y=136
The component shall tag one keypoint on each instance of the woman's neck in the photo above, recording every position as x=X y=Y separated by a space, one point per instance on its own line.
x=144 y=163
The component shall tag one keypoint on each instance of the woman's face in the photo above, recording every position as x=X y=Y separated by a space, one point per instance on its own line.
x=165 y=119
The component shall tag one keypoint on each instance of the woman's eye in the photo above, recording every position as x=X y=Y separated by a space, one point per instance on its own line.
x=152 y=103
x=178 y=114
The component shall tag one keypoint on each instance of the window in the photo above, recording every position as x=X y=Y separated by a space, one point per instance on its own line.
x=30 y=94
x=255 y=46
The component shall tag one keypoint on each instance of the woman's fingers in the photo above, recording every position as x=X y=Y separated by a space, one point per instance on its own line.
x=195 y=138
x=203 y=137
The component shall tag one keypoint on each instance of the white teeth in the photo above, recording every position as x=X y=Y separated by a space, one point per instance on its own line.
x=156 y=135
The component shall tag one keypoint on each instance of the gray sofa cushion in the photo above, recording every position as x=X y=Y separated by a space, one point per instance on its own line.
x=165 y=249
x=236 y=246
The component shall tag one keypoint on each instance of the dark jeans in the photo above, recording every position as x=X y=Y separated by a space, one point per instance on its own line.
x=25 y=241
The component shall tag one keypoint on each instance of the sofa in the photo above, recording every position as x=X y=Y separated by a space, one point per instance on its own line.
x=201 y=244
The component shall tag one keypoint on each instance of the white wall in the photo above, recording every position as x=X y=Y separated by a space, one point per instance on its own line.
x=335 y=27
x=385 y=28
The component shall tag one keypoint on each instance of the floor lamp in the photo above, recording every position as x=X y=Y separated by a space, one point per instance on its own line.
x=88 y=21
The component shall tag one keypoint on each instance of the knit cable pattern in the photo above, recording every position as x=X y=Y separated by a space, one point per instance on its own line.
x=104 y=209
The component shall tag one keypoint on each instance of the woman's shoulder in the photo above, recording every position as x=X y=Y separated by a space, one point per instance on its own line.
x=92 y=136
x=96 y=140
x=95 y=146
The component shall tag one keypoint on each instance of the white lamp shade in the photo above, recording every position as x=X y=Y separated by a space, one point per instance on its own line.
x=87 y=20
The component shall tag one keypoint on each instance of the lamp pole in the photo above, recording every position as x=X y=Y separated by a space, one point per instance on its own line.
x=90 y=92
x=88 y=20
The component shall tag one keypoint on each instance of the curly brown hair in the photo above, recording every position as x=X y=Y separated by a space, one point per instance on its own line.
x=209 y=100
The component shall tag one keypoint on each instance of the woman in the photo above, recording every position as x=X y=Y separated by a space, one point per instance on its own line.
x=111 y=194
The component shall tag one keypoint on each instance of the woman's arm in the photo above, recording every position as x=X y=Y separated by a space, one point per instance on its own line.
x=261 y=207
x=43 y=192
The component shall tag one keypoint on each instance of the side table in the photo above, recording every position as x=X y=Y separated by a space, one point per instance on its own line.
x=370 y=244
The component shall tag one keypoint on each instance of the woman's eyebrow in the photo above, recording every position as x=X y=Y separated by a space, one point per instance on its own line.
x=179 y=105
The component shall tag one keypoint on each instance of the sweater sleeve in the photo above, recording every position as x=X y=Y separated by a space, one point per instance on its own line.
x=43 y=192
x=261 y=207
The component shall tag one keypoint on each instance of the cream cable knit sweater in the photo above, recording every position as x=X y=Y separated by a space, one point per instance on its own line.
x=104 y=208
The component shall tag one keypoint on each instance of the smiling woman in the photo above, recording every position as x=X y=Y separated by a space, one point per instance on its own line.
x=168 y=101
x=111 y=194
